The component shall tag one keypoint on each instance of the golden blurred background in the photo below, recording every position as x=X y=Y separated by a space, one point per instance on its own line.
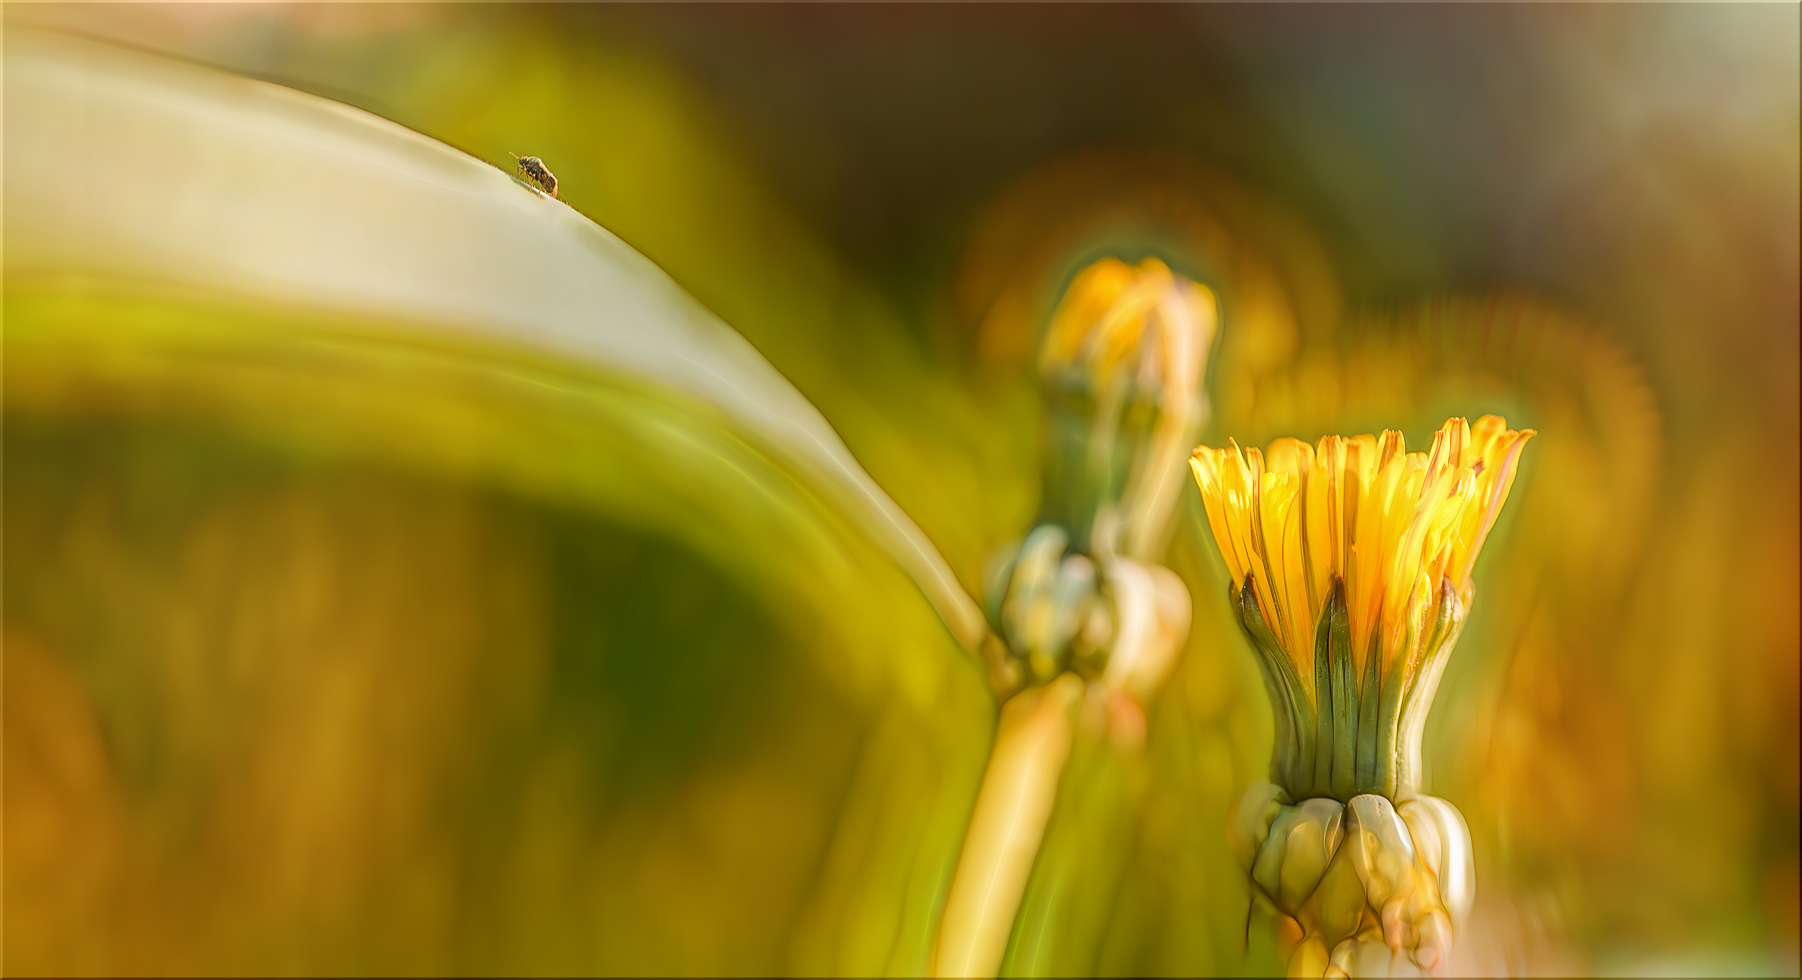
x=328 y=653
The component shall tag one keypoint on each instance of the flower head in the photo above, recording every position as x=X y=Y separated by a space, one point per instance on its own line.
x=1122 y=365
x=1351 y=563
x=1121 y=368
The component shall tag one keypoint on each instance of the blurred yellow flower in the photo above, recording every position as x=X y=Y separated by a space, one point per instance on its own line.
x=1351 y=565
x=1122 y=365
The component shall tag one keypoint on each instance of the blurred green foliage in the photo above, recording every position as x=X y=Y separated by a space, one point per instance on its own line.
x=403 y=658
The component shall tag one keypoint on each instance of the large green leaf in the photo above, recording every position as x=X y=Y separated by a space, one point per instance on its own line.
x=404 y=574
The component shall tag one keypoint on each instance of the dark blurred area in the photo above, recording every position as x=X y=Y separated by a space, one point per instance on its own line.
x=1583 y=216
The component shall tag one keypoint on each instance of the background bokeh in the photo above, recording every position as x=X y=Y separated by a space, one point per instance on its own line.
x=1585 y=218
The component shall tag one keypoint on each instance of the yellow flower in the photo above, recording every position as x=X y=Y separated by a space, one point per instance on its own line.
x=1110 y=306
x=1122 y=365
x=1121 y=369
x=1351 y=565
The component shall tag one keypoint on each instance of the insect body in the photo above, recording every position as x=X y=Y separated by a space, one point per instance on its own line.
x=534 y=171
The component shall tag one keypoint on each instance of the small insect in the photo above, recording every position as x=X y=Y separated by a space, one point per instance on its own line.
x=534 y=171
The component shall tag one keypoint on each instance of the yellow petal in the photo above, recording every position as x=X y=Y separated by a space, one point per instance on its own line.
x=1290 y=456
x=1500 y=479
x=1206 y=467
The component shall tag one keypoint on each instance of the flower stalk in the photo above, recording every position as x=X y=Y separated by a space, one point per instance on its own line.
x=1079 y=609
x=1019 y=787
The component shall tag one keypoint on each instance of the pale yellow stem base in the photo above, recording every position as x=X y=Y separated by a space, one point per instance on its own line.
x=1032 y=743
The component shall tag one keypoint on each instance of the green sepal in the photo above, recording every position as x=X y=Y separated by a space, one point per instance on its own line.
x=1319 y=772
x=1335 y=633
x=1370 y=695
x=1295 y=713
x=1389 y=726
x=1419 y=685
x=1356 y=734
